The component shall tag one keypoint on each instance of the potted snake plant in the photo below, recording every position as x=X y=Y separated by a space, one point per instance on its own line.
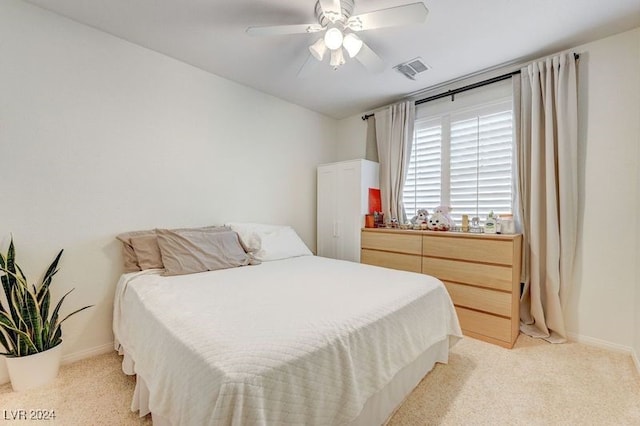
x=30 y=334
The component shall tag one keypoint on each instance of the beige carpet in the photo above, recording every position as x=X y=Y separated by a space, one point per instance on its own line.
x=535 y=383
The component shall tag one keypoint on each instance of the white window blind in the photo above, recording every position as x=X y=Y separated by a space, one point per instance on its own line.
x=481 y=165
x=463 y=159
x=422 y=186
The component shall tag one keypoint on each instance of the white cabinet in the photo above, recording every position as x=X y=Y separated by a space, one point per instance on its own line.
x=343 y=200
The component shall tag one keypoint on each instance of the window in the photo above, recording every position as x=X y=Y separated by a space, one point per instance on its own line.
x=422 y=186
x=462 y=158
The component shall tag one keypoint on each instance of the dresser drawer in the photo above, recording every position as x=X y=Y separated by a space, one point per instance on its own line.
x=402 y=243
x=403 y=262
x=491 y=276
x=485 y=324
x=481 y=299
x=472 y=249
x=481 y=273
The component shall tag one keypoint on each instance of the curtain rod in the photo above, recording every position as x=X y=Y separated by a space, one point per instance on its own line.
x=454 y=92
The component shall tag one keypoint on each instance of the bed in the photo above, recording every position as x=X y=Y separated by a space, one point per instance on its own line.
x=298 y=340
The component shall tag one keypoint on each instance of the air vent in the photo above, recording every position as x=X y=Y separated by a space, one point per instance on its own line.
x=412 y=68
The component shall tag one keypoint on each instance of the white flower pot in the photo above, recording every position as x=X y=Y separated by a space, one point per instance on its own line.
x=32 y=371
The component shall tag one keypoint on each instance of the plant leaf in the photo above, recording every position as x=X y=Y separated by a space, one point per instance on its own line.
x=8 y=341
x=24 y=338
x=17 y=279
x=56 y=337
x=44 y=305
x=3 y=339
x=48 y=276
x=54 y=315
x=28 y=343
x=11 y=258
x=46 y=329
x=7 y=282
x=16 y=298
x=5 y=319
x=20 y=274
x=44 y=295
x=57 y=334
x=33 y=319
x=75 y=312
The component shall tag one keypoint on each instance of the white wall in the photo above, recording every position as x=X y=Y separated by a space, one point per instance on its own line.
x=601 y=306
x=351 y=138
x=99 y=136
x=636 y=345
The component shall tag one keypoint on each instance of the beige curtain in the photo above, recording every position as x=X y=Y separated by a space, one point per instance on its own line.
x=371 y=150
x=548 y=189
x=521 y=170
x=394 y=135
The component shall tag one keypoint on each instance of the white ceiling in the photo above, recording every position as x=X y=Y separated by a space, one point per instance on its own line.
x=460 y=37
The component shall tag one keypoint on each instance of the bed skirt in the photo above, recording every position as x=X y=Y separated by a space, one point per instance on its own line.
x=376 y=411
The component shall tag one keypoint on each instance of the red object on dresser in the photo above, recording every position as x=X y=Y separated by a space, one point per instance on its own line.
x=375 y=202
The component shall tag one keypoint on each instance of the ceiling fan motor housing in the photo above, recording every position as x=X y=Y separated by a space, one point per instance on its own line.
x=325 y=19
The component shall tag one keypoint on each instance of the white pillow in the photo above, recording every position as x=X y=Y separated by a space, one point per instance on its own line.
x=250 y=233
x=270 y=242
x=282 y=243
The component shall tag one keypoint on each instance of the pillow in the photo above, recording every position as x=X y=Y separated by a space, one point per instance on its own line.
x=270 y=242
x=250 y=233
x=129 y=258
x=190 y=251
x=152 y=257
x=128 y=253
x=281 y=244
x=147 y=251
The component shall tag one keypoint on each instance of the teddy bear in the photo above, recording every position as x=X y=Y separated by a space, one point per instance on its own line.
x=440 y=220
x=422 y=216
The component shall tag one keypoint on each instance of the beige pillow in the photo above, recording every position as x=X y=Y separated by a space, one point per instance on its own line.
x=151 y=257
x=128 y=253
x=147 y=251
x=190 y=251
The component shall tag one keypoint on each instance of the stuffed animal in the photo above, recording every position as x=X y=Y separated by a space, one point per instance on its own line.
x=422 y=216
x=446 y=211
x=441 y=220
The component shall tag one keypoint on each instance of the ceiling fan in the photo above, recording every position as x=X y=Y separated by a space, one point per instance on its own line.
x=339 y=25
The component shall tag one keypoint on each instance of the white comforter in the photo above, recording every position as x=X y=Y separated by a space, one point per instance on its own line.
x=305 y=340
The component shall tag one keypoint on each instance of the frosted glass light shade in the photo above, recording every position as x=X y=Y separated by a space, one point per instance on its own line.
x=333 y=38
x=318 y=49
x=337 y=58
x=352 y=44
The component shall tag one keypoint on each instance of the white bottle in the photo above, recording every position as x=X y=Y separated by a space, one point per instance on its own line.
x=490 y=224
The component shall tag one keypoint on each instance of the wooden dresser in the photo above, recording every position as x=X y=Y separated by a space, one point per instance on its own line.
x=481 y=273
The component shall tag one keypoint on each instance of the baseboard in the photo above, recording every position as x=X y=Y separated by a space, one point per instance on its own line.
x=592 y=341
x=66 y=359
x=87 y=353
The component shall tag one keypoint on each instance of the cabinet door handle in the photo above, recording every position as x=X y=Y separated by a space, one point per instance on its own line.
x=335 y=229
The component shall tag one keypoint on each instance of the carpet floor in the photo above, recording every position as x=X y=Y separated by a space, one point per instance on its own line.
x=535 y=383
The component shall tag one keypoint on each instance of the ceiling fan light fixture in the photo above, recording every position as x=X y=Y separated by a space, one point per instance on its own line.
x=337 y=24
x=333 y=38
x=352 y=44
x=337 y=58
x=318 y=49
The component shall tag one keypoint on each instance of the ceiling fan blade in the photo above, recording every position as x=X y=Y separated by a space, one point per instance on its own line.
x=284 y=30
x=370 y=60
x=414 y=13
x=309 y=65
x=331 y=6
